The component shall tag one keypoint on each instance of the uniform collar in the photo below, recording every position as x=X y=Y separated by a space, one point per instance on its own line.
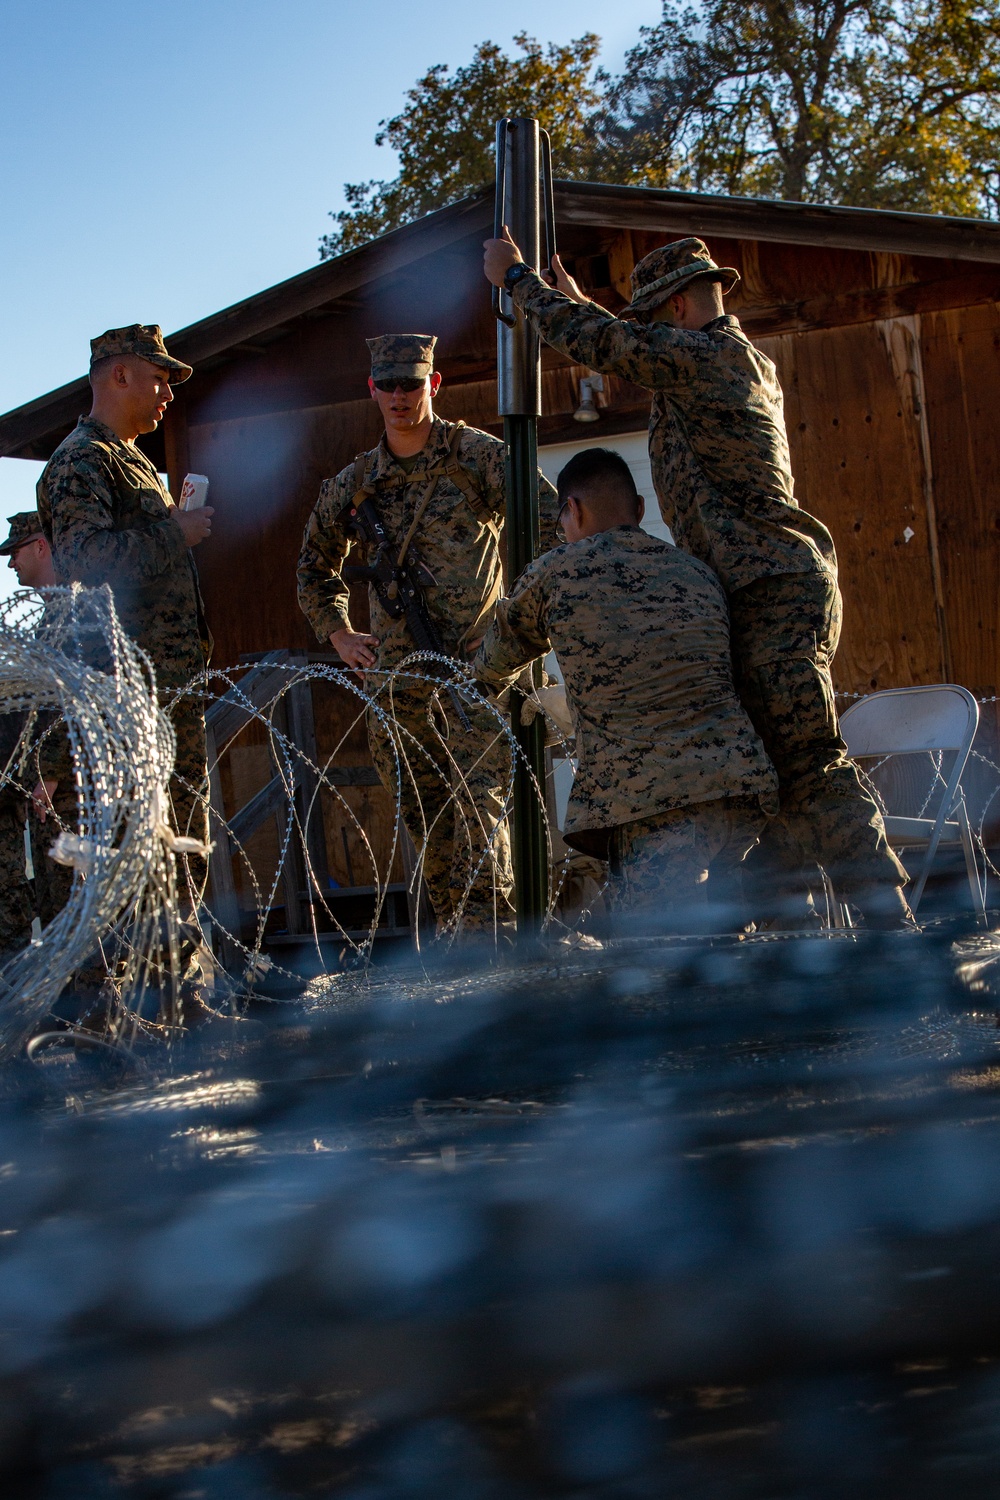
x=615 y=536
x=102 y=430
x=723 y=323
x=624 y=533
x=435 y=447
x=107 y=434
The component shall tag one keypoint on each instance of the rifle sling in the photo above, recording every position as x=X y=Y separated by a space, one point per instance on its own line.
x=453 y=468
x=455 y=471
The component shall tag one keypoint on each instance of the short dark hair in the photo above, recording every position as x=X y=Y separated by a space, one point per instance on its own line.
x=598 y=474
x=98 y=366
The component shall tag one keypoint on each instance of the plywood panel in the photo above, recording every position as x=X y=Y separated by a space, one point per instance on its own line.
x=857 y=464
x=961 y=358
x=245 y=768
x=355 y=811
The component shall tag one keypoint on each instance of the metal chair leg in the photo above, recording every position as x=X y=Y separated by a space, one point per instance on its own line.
x=971 y=867
x=837 y=916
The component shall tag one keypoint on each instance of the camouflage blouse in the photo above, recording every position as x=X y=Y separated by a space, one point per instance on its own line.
x=458 y=538
x=641 y=633
x=108 y=519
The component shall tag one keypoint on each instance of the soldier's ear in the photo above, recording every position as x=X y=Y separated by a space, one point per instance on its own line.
x=371 y=387
x=640 y=508
x=435 y=382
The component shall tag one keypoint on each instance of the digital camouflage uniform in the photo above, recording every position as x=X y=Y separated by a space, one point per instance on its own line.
x=16 y=904
x=49 y=753
x=456 y=780
x=720 y=462
x=16 y=896
x=108 y=519
x=50 y=758
x=671 y=776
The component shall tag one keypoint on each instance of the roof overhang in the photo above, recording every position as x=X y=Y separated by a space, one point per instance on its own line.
x=790 y=223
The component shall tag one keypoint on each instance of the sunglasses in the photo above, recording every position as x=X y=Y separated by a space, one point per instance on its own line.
x=408 y=384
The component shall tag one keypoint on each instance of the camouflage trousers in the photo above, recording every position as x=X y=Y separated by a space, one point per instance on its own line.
x=16 y=908
x=679 y=871
x=452 y=799
x=785 y=631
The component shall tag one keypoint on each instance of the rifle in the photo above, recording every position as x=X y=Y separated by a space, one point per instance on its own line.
x=399 y=587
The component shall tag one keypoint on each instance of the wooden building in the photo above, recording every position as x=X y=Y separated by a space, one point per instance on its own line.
x=885 y=328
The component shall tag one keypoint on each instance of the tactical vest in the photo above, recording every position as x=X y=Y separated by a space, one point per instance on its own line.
x=460 y=476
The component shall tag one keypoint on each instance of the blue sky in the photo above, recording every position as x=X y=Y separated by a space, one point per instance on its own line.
x=161 y=162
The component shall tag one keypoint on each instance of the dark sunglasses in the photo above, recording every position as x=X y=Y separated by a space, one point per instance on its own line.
x=407 y=384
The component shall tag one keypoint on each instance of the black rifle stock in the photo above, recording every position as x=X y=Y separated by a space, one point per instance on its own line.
x=399 y=587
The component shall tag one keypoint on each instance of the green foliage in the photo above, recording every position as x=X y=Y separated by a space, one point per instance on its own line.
x=445 y=135
x=890 y=105
x=876 y=103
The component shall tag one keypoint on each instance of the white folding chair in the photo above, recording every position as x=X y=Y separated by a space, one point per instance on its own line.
x=904 y=721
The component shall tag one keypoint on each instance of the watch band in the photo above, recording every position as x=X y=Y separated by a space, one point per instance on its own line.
x=515 y=273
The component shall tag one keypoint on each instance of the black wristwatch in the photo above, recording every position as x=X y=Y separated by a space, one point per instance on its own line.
x=514 y=274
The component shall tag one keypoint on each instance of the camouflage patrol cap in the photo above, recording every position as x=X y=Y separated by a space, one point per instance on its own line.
x=402 y=356
x=143 y=340
x=24 y=527
x=670 y=269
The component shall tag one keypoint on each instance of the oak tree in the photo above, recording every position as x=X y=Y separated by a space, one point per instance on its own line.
x=444 y=137
x=890 y=105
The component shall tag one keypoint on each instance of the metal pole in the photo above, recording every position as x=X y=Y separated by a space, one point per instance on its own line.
x=519 y=402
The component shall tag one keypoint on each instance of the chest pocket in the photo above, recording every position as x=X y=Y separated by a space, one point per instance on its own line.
x=456 y=472
x=466 y=483
x=138 y=502
x=151 y=503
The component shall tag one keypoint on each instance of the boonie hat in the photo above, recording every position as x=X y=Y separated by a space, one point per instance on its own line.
x=670 y=269
x=145 y=341
x=402 y=356
x=24 y=527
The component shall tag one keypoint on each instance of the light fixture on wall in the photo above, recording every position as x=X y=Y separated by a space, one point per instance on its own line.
x=587 y=410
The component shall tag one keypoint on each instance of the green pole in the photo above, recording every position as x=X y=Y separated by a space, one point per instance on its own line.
x=518 y=204
x=530 y=846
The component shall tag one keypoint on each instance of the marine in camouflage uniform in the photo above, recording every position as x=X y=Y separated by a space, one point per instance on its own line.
x=672 y=780
x=455 y=780
x=16 y=900
x=720 y=462
x=52 y=881
x=109 y=519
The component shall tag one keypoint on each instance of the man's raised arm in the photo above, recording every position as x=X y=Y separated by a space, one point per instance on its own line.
x=649 y=354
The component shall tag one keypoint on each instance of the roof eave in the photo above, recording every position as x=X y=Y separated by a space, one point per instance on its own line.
x=877 y=229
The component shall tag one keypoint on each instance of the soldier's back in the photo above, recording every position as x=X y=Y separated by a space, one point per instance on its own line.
x=641 y=633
